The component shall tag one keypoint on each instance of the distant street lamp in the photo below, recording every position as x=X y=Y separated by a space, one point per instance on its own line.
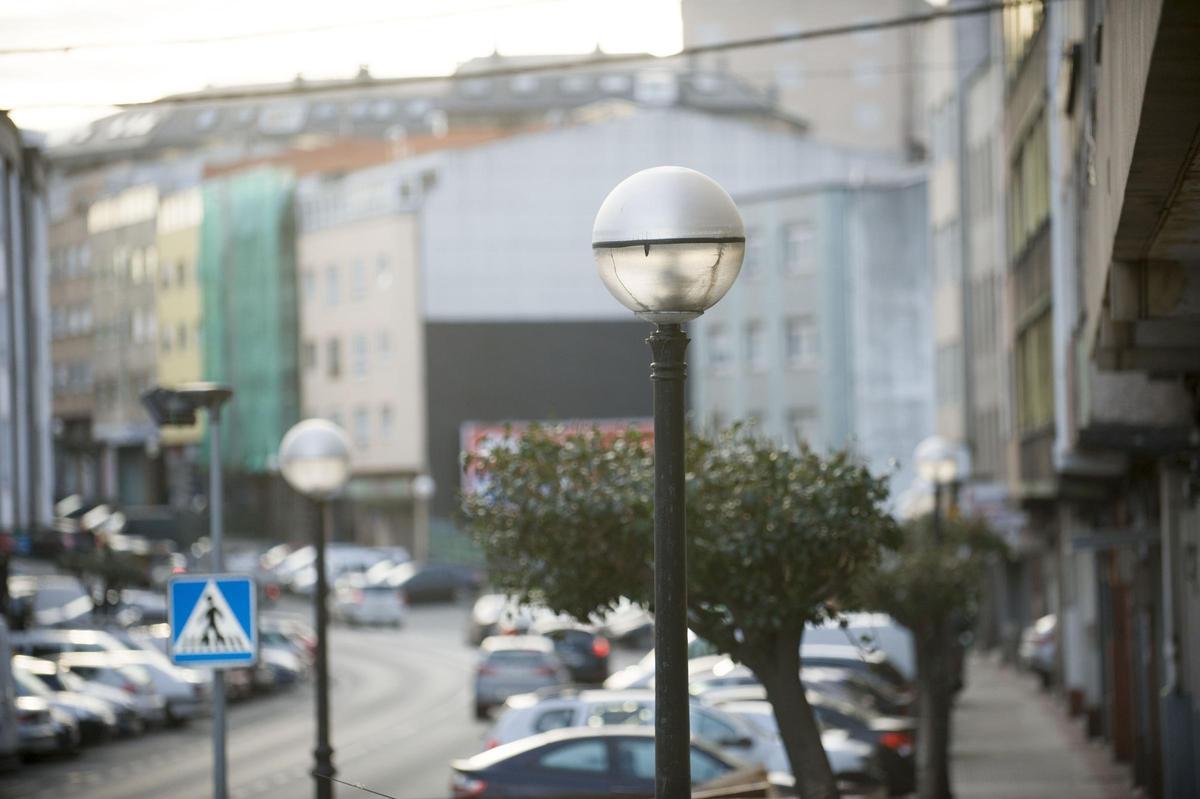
x=314 y=458
x=668 y=244
x=939 y=462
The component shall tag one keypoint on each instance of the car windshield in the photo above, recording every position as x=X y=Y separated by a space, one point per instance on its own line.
x=517 y=657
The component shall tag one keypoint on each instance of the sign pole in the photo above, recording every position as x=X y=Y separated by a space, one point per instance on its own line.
x=216 y=529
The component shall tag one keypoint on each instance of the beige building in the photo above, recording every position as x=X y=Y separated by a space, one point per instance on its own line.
x=860 y=89
x=178 y=301
x=362 y=343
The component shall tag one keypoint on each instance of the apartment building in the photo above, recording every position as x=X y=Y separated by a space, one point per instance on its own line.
x=824 y=338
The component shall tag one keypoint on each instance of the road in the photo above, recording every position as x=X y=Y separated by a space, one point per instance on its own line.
x=401 y=710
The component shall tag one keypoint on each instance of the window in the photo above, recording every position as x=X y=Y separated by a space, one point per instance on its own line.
x=804 y=426
x=358 y=356
x=946 y=251
x=752 y=263
x=181 y=272
x=151 y=263
x=802 y=344
x=164 y=278
x=310 y=354
x=181 y=335
x=165 y=341
x=798 y=255
x=385 y=422
x=719 y=354
x=333 y=358
x=362 y=428
x=613 y=713
x=331 y=285
x=383 y=272
x=756 y=346
x=308 y=283
x=385 y=343
x=358 y=280
x=554 y=719
x=1029 y=189
x=590 y=756
x=635 y=758
x=1035 y=374
x=1021 y=24
x=949 y=374
x=712 y=729
x=705 y=767
x=137 y=266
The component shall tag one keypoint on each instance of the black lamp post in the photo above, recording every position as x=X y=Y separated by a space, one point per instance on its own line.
x=668 y=244
x=315 y=460
x=939 y=463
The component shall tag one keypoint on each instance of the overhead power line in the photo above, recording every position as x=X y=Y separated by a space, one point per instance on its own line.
x=301 y=88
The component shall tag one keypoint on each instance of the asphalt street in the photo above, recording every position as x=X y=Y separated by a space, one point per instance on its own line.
x=401 y=705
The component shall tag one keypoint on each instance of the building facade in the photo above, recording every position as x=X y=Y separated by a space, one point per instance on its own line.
x=26 y=465
x=361 y=342
x=122 y=231
x=861 y=89
x=824 y=338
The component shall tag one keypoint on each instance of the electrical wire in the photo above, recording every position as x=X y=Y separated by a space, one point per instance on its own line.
x=606 y=60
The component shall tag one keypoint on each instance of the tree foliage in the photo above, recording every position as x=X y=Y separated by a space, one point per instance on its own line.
x=776 y=539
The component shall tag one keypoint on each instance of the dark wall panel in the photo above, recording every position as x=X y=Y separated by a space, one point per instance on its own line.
x=501 y=371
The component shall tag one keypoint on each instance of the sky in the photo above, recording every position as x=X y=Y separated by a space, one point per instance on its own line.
x=57 y=91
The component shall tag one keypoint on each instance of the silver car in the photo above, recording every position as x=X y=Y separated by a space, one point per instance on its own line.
x=515 y=664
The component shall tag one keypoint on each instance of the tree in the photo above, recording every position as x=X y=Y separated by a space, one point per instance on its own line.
x=931 y=584
x=774 y=539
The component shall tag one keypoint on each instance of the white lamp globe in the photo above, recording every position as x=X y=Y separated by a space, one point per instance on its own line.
x=939 y=461
x=668 y=243
x=314 y=458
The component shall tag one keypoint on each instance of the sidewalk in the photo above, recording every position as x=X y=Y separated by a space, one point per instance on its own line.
x=1013 y=741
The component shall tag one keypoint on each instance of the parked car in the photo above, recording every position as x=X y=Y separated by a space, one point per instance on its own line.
x=514 y=664
x=96 y=718
x=758 y=743
x=1039 y=648
x=51 y=600
x=60 y=679
x=184 y=691
x=581 y=761
x=356 y=601
x=50 y=643
x=10 y=752
x=874 y=632
x=893 y=739
x=872 y=664
x=497 y=614
x=629 y=625
x=134 y=681
x=433 y=582
x=581 y=649
x=42 y=730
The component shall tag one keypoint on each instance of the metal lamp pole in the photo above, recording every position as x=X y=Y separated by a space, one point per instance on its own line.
x=672 y=733
x=323 y=753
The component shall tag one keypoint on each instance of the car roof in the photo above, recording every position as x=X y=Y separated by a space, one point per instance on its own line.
x=523 y=745
x=497 y=643
x=35 y=665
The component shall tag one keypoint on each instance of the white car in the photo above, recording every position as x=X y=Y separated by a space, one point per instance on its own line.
x=185 y=691
x=133 y=681
x=355 y=601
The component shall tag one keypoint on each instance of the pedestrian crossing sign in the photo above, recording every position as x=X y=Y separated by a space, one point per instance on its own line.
x=214 y=620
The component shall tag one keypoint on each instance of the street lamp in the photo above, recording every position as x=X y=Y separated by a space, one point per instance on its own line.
x=314 y=458
x=668 y=244
x=939 y=462
x=177 y=407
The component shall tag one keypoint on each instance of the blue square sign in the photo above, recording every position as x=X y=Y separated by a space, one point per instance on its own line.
x=214 y=620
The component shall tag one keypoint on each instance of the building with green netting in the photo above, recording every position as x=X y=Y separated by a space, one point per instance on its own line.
x=247 y=272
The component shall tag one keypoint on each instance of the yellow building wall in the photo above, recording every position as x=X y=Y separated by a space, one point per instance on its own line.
x=179 y=306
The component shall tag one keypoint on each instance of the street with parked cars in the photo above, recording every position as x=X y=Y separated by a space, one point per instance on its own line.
x=492 y=696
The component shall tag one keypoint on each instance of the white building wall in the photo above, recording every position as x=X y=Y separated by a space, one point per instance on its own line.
x=533 y=261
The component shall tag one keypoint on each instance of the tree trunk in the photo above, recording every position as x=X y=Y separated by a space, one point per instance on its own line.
x=780 y=675
x=935 y=691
